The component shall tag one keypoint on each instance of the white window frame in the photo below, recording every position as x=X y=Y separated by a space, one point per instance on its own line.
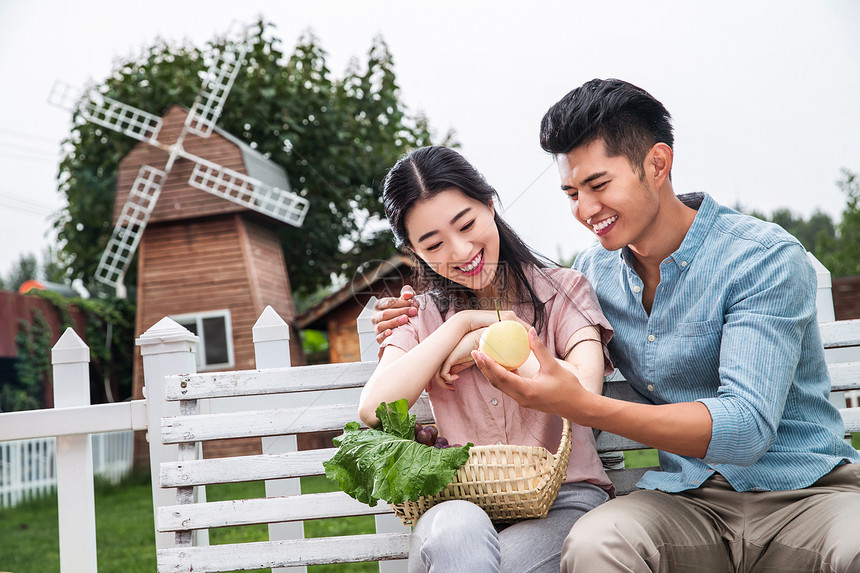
x=197 y=318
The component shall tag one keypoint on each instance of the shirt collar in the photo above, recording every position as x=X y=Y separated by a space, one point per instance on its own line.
x=706 y=214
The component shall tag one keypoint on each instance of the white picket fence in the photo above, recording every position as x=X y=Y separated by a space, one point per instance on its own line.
x=168 y=349
x=28 y=468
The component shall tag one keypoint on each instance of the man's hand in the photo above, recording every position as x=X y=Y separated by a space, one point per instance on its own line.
x=543 y=392
x=392 y=312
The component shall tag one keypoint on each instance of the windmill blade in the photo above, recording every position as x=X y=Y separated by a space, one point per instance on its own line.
x=64 y=96
x=121 y=117
x=129 y=227
x=223 y=182
x=217 y=83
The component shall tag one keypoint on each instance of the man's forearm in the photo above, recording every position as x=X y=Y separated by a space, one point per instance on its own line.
x=683 y=429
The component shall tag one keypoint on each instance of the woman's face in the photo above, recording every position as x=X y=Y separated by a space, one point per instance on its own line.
x=457 y=237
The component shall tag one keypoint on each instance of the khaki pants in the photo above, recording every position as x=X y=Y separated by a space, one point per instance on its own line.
x=714 y=528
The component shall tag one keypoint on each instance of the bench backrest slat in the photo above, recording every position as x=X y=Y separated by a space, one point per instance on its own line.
x=840 y=334
x=245 y=468
x=274 y=422
x=259 y=555
x=270 y=381
x=233 y=513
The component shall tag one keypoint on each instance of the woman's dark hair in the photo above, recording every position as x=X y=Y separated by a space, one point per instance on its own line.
x=428 y=171
x=628 y=119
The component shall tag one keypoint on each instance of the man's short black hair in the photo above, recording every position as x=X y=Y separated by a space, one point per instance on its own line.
x=628 y=119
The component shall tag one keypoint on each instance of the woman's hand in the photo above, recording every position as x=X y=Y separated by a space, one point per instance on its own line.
x=477 y=319
x=460 y=359
x=392 y=312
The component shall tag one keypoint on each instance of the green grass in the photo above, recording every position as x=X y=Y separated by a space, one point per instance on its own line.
x=640 y=458
x=29 y=538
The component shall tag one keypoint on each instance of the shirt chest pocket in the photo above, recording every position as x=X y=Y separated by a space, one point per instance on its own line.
x=695 y=353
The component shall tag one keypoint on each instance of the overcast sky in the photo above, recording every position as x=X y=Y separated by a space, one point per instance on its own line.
x=764 y=94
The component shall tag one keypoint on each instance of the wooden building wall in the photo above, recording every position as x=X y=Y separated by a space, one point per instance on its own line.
x=846 y=297
x=228 y=262
x=178 y=199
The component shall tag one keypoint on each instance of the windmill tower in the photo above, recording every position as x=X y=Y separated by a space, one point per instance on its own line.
x=201 y=209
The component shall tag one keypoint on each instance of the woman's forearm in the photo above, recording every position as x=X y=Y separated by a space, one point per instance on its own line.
x=405 y=375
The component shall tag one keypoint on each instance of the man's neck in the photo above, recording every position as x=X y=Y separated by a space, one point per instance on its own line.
x=667 y=233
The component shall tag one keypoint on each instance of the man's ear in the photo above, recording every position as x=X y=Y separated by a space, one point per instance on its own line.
x=658 y=163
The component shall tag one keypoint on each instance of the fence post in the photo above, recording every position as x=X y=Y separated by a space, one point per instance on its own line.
x=272 y=350
x=824 y=294
x=167 y=349
x=367 y=344
x=369 y=348
x=70 y=358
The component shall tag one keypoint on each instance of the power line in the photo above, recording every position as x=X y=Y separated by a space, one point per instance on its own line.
x=35 y=159
x=10 y=201
x=29 y=136
x=32 y=150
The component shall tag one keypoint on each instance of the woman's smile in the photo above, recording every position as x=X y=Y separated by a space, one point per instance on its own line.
x=473 y=267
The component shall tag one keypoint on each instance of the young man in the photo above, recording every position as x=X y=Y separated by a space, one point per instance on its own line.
x=715 y=325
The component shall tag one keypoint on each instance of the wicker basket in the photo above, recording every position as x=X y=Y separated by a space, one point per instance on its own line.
x=510 y=483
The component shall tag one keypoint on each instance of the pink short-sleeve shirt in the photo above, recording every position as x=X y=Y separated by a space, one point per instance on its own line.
x=479 y=413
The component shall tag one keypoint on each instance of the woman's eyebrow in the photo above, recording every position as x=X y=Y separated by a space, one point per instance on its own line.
x=460 y=214
x=454 y=220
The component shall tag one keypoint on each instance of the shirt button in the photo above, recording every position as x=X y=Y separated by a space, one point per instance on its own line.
x=637 y=288
x=683 y=263
x=494 y=401
x=651 y=338
x=650 y=387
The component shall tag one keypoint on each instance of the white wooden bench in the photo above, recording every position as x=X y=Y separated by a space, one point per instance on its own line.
x=193 y=426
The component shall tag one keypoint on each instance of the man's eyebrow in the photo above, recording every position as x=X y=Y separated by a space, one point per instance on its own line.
x=454 y=220
x=588 y=179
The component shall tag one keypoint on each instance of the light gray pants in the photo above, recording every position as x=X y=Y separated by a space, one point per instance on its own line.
x=458 y=536
x=716 y=529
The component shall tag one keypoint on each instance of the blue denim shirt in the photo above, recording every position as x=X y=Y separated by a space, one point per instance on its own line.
x=733 y=326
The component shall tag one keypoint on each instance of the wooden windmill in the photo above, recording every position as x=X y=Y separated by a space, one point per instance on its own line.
x=201 y=209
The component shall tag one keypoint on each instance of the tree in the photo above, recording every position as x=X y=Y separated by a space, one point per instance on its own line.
x=836 y=246
x=335 y=138
x=841 y=252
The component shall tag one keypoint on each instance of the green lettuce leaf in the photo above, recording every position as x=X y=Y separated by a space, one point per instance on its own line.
x=389 y=464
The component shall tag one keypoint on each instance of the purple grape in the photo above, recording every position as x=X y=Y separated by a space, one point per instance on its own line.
x=434 y=433
x=441 y=442
x=423 y=437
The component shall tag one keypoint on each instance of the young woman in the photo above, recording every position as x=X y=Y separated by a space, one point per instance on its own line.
x=468 y=260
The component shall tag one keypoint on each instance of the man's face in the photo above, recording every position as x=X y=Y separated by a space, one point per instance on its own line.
x=608 y=196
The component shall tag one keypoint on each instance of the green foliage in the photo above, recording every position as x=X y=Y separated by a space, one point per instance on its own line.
x=314 y=341
x=841 y=253
x=836 y=246
x=24 y=269
x=109 y=334
x=32 y=367
x=389 y=464
x=335 y=137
